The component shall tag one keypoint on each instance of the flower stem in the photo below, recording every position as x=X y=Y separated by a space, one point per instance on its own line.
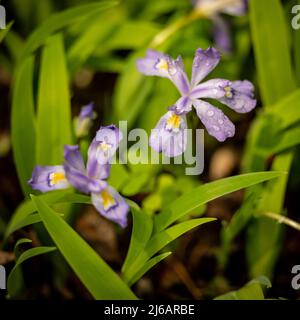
x=166 y=33
x=282 y=219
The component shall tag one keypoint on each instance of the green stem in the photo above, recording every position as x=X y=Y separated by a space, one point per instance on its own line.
x=282 y=219
x=166 y=33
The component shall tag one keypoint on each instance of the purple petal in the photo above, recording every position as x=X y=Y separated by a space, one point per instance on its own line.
x=96 y=170
x=222 y=36
x=159 y=64
x=239 y=96
x=47 y=178
x=87 y=111
x=178 y=75
x=85 y=120
x=74 y=168
x=204 y=62
x=74 y=158
x=237 y=9
x=108 y=139
x=154 y=64
x=182 y=106
x=111 y=205
x=169 y=135
x=215 y=121
x=213 y=89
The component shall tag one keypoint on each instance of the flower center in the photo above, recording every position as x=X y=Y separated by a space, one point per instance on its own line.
x=162 y=64
x=56 y=177
x=228 y=92
x=107 y=200
x=173 y=123
x=105 y=146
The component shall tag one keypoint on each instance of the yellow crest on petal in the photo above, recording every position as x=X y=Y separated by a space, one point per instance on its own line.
x=107 y=199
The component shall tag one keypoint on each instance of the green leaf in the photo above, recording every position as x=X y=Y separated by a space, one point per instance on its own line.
x=237 y=223
x=286 y=112
x=158 y=241
x=132 y=89
x=271 y=48
x=141 y=233
x=262 y=251
x=136 y=182
x=251 y=291
x=60 y=20
x=122 y=38
x=208 y=192
x=272 y=53
x=92 y=37
x=288 y=139
x=95 y=274
x=13 y=285
x=18 y=243
x=147 y=266
x=53 y=114
x=23 y=214
x=296 y=42
x=23 y=122
x=4 y=32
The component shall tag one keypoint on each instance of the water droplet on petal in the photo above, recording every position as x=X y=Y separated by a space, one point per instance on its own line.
x=216 y=128
x=210 y=113
x=220 y=121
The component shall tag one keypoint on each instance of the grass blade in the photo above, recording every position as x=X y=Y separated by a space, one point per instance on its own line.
x=95 y=274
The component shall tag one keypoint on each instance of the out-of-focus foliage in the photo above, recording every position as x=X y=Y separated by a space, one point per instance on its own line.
x=49 y=45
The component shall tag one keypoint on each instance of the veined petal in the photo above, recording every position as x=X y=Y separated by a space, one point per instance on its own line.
x=47 y=178
x=178 y=75
x=169 y=135
x=111 y=205
x=222 y=36
x=74 y=168
x=182 y=106
x=162 y=65
x=108 y=139
x=239 y=96
x=213 y=89
x=204 y=62
x=73 y=157
x=85 y=120
x=217 y=124
x=96 y=170
x=154 y=64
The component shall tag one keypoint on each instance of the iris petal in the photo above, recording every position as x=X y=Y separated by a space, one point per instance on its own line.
x=169 y=135
x=217 y=124
x=47 y=178
x=108 y=139
x=204 y=62
x=111 y=205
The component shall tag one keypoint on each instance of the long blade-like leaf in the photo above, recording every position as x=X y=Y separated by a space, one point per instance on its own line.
x=271 y=49
x=23 y=122
x=95 y=274
x=208 y=192
x=159 y=241
x=53 y=114
x=13 y=285
x=62 y=19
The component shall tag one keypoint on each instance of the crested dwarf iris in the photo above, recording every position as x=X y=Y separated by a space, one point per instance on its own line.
x=213 y=9
x=89 y=179
x=169 y=136
x=84 y=121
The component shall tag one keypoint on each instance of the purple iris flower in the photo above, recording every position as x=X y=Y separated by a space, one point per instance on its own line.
x=85 y=120
x=237 y=95
x=214 y=9
x=89 y=179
